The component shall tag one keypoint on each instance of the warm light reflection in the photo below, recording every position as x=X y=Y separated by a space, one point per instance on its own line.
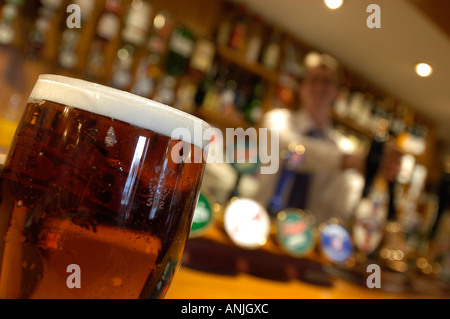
x=159 y=21
x=423 y=69
x=333 y=4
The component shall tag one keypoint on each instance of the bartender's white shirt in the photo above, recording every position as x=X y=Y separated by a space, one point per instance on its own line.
x=332 y=191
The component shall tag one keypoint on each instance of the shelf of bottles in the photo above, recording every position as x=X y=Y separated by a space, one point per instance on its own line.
x=244 y=68
x=230 y=77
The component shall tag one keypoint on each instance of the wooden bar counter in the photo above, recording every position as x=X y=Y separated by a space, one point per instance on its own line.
x=193 y=282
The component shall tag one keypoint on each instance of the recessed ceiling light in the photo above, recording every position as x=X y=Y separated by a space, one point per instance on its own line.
x=333 y=4
x=423 y=69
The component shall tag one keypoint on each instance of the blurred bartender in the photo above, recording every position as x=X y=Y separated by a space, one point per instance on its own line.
x=324 y=183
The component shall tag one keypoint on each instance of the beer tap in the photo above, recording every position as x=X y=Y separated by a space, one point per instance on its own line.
x=294 y=157
x=369 y=213
x=432 y=254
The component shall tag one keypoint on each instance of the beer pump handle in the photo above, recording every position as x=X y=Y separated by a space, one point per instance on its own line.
x=276 y=201
x=375 y=155
x=391 y=203
x=235 y=191
x=373 y=161
x=294 y=159
x=444 y=202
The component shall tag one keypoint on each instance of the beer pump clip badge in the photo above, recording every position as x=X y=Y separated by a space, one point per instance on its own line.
x=295 y=232
x=335 y=242
x=247 y=223
x=203 y=216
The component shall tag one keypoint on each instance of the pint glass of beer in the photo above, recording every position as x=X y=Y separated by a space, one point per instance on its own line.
x=96 y=196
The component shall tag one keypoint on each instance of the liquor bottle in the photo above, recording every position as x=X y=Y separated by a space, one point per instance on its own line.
x=181 y=45
x=254 y=108
x=108 y=27
x=365 y=110
x=67 y=54
x=370 y=111
x=398 y=121
x=292 y=55
x=199 y=65
x=147 y=74
x=245 y=85
x=203 y=56
x=134 y=35
x=224 y=29
x=228 y=98
x=10 y=12
x=159 y=37
x=272 y=51
x=149 y=69
x=38 y=36
x=378 y=110
x=239 y=30
x=341 y=104
x=185 y=95
x=212 y=100
x=165 y=90
x=255 y=40
x=204 y=86
x=285 y=92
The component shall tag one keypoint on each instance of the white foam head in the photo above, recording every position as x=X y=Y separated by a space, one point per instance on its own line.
x=120 y=105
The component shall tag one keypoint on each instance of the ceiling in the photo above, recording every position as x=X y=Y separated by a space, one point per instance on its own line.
x=411 y=31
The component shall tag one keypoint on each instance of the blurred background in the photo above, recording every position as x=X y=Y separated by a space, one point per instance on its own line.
x=229 y=62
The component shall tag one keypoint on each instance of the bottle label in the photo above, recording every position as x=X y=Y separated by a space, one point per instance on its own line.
x=86 y=6
x=203 y=56
x=137 y=23
x=144 y=86
x=108 y=26
x=237 y=38
x=271 y=57
x=253 y=49
x=181 y=45
x=121 y=79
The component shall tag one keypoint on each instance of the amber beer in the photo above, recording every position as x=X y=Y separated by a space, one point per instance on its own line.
x=92 y=204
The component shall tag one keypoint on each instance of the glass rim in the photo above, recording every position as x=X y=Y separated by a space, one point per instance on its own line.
x=117 y=104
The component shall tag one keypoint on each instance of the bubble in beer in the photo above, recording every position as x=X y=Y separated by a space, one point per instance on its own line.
x=110 y=139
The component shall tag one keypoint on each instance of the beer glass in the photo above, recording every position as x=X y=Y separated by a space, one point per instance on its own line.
x=96 y=196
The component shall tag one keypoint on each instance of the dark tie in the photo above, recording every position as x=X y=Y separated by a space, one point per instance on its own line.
x=299 y=190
